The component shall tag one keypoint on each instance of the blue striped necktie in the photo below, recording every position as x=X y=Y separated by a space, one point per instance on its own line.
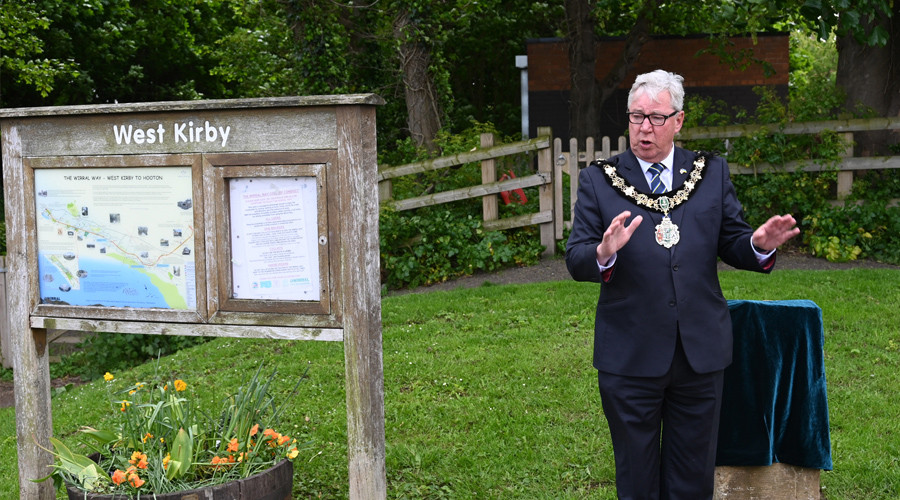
x=656 y=183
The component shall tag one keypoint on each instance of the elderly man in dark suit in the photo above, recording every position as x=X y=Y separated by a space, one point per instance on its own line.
x=662 y=335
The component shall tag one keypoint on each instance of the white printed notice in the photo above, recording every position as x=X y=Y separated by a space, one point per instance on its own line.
x=116 y=237
x=274 y=240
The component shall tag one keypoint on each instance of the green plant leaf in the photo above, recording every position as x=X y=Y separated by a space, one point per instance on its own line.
x=181 y=454
x=85 y=471
x=102 y=437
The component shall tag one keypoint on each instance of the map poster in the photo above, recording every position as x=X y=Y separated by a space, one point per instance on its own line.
x=274 y=240
x=116 y=237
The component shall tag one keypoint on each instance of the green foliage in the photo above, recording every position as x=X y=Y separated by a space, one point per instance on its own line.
x=121 y=51
x=160 y=440
x=833 y=233
x=434 y=244
x=813 y=92
x=867 y=225
x=116 y=351
x=863 y=227
x=21 y=47
x=858 y=19
x=439 y=245
x=779 y=192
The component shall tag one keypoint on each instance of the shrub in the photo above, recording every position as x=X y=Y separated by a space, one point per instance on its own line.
x=116 y=351
x=437 y=245
x=434 y=244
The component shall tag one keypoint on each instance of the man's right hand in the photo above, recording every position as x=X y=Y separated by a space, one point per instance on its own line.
x=616 y=236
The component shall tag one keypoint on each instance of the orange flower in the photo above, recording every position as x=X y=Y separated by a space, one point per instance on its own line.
x=166 y=460
x=269 y=432
x=233 y=445
x=118 y=477
x=135 y=480
x=254 y=429
x=180 y=385
x=146 y=437
x=283 y=439
x=136 y=457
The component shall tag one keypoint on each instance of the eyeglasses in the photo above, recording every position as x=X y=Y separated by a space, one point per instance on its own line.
x=657 y=120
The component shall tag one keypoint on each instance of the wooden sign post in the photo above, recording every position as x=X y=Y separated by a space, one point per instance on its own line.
x=251 y=218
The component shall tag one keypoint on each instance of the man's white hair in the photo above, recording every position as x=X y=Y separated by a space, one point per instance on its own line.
x=658 y=81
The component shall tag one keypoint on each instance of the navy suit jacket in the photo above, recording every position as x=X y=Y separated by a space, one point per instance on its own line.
x=653 y=292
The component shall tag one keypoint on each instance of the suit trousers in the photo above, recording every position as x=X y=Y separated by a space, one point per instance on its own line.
x=664 y=431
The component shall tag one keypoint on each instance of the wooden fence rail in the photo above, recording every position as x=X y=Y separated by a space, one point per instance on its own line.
x=487 y=154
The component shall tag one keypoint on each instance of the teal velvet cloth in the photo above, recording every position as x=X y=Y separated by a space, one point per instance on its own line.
x=774 y=405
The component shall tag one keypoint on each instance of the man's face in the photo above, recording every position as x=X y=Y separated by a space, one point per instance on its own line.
x=649 y=142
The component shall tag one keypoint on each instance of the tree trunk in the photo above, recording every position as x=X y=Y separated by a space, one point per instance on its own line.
x=584 y=95
x=870 y=76
x=587 y=94
x=422 y=108
x=634 y=42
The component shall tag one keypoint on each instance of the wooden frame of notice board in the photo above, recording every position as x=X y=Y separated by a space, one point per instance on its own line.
x=231 y=218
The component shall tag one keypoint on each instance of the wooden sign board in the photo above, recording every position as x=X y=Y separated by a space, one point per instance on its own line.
x=241 y=218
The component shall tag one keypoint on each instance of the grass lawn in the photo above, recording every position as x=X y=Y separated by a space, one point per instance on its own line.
x=489 y=392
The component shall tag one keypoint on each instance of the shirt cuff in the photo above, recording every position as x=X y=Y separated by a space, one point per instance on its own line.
x=609 y=265
x=761 y=255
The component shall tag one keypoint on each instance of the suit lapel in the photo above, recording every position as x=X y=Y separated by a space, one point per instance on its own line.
x=683 y=164
x=681 y=168
x=630 y=170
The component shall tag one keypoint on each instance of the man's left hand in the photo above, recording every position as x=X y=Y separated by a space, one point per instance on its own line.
x=774 y=232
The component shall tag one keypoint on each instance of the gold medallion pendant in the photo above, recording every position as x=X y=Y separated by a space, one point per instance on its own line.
x=667 y=233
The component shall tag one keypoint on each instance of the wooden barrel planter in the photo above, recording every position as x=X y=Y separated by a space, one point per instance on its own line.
x=271 y=484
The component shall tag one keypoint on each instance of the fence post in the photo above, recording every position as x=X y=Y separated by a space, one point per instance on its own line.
x=5 y=354
x=573 y=176
x=545 y=166
x=488 y=175
x=562 y=163
x=845 y=177
x=589 y=152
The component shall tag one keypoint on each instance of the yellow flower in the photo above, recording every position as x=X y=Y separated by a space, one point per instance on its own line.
x=293 y=453
x=180 y=385
x=146 y=437
x=108 y=376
